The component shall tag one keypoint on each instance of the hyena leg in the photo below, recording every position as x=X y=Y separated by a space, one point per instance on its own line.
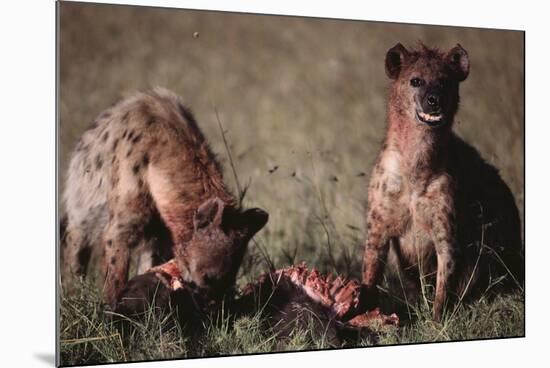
x=437 y=207
x=153 y=252
x=76 y=254
x=374 y=258
x=175 y=210
x=145 y=257
x=443 y=240
x=403 y=279
x=123 y=232
x=445 y=265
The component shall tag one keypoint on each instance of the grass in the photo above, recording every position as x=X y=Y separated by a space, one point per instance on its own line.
x=88 y=335
x=302 y=105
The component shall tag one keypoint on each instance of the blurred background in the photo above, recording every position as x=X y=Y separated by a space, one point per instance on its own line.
x=302 y=102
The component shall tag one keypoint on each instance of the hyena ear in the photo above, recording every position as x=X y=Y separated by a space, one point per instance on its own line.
x=457 y=59
x=254 y=220
x=209 y=213
x=395 y=58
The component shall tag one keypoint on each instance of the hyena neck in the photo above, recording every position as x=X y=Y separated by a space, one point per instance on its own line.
x=209 y=173
x=212 y=188
x=423 y=150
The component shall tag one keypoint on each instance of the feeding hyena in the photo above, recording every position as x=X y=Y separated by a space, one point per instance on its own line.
x=436 y=209
x=143 y=176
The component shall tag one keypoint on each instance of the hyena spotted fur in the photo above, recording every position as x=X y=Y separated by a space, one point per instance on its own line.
x=143 y=176
x=436 y=209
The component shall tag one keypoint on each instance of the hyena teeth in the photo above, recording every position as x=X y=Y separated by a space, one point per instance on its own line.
x=429 y=117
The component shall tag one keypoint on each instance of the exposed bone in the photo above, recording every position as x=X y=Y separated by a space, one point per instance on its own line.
x=339 y=295
x=169 y=274
x=373 y=318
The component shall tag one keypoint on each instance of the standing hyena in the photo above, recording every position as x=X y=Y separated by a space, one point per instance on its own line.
x=144 y=175
x=435 y=207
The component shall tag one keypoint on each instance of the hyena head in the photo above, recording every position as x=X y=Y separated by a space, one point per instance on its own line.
x=215 y=252
x=425 y=83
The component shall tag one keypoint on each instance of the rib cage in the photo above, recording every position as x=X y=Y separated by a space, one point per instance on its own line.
x=338 y=295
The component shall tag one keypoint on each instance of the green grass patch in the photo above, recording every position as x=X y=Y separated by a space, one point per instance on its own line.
x=88 y=336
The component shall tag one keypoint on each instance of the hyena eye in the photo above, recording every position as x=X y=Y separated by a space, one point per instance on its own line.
x=417 y=82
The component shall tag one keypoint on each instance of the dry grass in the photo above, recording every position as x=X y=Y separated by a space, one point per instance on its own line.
x=302 y=102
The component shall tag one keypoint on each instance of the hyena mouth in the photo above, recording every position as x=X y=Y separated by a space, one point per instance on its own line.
x=433 y=120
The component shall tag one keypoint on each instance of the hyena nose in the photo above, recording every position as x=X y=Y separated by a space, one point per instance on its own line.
x=433 y=100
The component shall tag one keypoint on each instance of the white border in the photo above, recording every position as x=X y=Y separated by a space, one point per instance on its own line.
x=27 y=180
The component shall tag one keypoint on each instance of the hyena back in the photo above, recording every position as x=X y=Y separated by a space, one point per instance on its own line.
x=144 y=176
x=435 y=207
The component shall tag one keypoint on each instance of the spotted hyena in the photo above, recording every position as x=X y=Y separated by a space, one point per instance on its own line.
x=436 y=209
x=143 y=176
